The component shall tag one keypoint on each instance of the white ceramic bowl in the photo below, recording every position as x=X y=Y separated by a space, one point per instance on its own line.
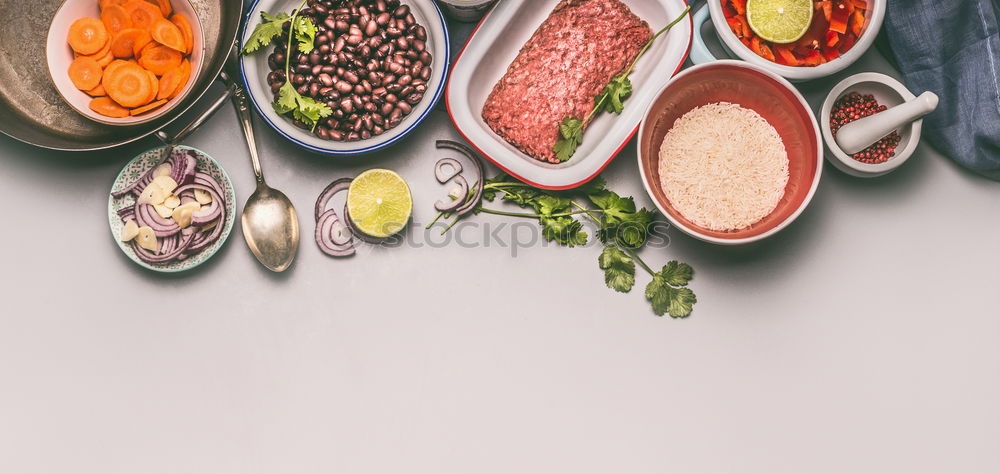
x=254 y=69
x=763 y=91
x=888 y=92
x=59 y=56
x=700 y=53
x=495 y=44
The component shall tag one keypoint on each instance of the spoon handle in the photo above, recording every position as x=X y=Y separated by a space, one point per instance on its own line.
x=243 y=113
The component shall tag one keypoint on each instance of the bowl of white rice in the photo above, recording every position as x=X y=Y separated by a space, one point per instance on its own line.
x=730 y=152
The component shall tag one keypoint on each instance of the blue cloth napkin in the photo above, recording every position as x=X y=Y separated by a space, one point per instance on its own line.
x=952 y=47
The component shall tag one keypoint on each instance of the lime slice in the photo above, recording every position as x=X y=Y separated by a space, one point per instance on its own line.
x=780 y=21
x=379 y=203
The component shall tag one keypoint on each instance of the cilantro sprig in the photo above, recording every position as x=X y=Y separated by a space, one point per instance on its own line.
x=302 y=31
x=611 y=99
x=621 y=228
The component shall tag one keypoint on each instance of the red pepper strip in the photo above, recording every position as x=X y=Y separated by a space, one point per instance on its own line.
x=813 y=59
x=827 y=7
x=785 y=56
x=860 y=4
x=740 y=6
x=736 y=26
x=832 y=37
x=846 y=42
x=831 y=55
x=838 y=20
x=857 y=22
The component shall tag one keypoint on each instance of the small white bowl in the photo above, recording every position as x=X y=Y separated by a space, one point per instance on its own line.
x=254 y=69
x=59 y=55
x=700 y=53
x=888 y=92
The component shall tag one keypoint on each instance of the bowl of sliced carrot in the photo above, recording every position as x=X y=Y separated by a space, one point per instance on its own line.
x=124 y=62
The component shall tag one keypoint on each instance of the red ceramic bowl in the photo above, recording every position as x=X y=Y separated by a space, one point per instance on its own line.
x=771 y=96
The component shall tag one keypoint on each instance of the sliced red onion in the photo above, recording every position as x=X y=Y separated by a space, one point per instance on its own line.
x=447 y=168
x=145 y=215
x=208 y=180
x=335 y=187
x=149 y=257
x=205 y=214
x=167 y=244
x=184 y=165
x=467 y=204
x=206 y=238
x=332 y=236
x=446 y=205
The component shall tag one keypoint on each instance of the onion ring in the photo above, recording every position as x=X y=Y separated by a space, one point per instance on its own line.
x=441 y=172
x=468 y=204
x=335 y=187
x=332 y=236
x=459 y=201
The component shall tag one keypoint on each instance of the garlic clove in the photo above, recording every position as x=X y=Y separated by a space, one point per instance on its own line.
x=130 y=230
x=146 y=239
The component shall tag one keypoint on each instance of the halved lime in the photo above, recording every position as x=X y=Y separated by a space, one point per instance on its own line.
x=379 y=203
x=780 y=21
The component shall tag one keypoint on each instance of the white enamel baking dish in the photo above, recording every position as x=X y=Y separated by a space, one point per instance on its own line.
x=495 y=44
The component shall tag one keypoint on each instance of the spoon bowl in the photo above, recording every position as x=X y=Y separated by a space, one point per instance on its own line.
x=271 y=227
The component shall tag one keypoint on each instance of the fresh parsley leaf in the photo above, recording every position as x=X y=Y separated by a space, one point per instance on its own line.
x=570 y=137
x=677 y=274
x=563 y=230
x=286 y=101
x=265 y=32
x=593 y=186
x=305 y=34
x=548 y=204
x=670 y=298
x=613 y=205
x=616 y=92
x=302 y=108
x=629 y=231
x=619 y=269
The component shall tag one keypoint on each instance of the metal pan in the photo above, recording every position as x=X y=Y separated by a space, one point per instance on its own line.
x=31 y=109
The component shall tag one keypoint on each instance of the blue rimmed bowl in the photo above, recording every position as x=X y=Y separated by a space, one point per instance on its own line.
x=254 y=69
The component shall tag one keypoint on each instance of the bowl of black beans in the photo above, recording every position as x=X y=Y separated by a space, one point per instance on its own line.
x=357 y=75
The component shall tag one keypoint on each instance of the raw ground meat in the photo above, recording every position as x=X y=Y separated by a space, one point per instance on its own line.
x=558 y=73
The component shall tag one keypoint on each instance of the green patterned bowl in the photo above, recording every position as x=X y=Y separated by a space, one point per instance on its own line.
x=133 y=171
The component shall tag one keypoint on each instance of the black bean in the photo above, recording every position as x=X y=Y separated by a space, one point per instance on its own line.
x=326 y=79
x=414 y=98
x=323 y=133
x=344 y=87
x=420 y=33
x=402 y=11
x=404 y=107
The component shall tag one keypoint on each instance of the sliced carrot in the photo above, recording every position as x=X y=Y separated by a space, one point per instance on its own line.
x=154 y=88
x=159 y=58
x=115 y=18
x=85 y=73
x=148 y=107
x=143 y=14
x=164 y=5
x=182 y=22
x=97 y=91
x=182 y=82
x=108 y=108
x=129 y=85
x=167 y=33
x=87 y=35
x=106 y=59
x=98 y=55
x=106 y=3
x=125 y=42
x=169 y=81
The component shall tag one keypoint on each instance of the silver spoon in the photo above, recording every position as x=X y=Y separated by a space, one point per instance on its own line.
x=270 y=224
